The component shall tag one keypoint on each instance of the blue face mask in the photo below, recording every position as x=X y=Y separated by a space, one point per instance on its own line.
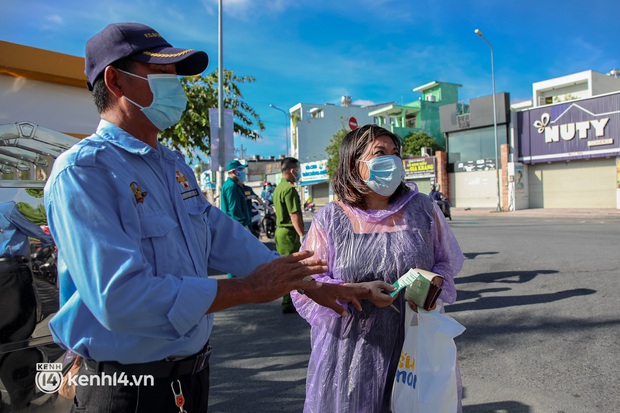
x=240 y=174
x=386 y=174
x=169 y=100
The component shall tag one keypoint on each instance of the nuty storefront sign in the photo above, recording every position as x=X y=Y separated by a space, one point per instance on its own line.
x=582 y=129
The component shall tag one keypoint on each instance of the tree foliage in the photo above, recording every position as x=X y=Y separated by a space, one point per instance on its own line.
x=414 y=142
x=333 y=151
x=192 y=135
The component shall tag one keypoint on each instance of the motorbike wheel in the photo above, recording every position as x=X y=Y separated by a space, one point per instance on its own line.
x=270 y=228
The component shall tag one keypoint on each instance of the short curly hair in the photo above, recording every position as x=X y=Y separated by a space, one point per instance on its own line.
x=348 y=184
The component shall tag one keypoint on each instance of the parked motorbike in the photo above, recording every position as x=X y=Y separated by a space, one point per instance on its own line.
x=43 y=261
x=268 y=220
x=309 y=206
x=255 y=224
x=444 y=205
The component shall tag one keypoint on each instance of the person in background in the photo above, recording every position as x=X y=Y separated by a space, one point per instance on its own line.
x=267 y=193
x=440 y=199
x=135 y=239
x=377 y=230
x=289 y=219
x=232 y=198
x=17 y=302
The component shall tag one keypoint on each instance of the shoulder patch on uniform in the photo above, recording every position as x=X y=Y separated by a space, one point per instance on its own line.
x=86 y=153
x=182 y=180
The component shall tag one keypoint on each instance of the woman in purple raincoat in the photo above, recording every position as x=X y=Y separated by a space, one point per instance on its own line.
x=377 y=230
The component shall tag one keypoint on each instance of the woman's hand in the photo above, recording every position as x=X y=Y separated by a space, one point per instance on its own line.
x=438 y=281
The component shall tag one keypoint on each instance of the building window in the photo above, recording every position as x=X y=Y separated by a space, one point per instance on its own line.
x=471 y=150
x=463 y=121
x=316 y=113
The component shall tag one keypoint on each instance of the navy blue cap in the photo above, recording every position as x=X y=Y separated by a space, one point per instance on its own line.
x=138 y=42
x=234 y=164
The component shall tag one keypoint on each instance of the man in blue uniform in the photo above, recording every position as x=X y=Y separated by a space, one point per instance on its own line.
x=17 y=302
x=135 y=238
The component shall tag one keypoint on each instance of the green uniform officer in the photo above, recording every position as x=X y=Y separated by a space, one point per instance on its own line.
x=289 y=220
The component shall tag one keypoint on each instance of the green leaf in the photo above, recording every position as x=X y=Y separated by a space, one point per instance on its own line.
x=192 y=135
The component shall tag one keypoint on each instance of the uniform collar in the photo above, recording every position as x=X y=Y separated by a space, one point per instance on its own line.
x=124 y=140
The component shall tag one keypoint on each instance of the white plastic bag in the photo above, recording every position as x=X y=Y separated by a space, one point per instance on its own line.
x=425 y=380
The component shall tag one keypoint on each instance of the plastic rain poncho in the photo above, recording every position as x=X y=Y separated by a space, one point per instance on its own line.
x=354 y=359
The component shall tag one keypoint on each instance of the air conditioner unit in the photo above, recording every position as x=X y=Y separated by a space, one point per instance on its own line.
x=431 y=98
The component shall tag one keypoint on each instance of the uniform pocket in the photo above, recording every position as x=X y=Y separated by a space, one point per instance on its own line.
x=158 y=244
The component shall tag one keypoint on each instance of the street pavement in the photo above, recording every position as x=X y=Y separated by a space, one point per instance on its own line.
x=537 y=294
x=538 y=297
x=540 y=212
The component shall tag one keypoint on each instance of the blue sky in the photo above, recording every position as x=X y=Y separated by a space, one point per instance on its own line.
x=315 y=51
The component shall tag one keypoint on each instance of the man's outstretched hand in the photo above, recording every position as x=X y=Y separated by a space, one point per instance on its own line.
x=270 y=281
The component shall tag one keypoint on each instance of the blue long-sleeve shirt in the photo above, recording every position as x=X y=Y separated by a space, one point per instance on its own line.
x=135 y=237
x=15 y=230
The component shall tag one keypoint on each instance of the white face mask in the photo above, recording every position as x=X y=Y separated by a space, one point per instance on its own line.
x=169 y=99
x=386 y=174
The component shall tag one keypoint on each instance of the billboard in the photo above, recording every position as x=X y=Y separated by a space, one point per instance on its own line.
x=314 y=172
x=582 y=129
x=423 y=167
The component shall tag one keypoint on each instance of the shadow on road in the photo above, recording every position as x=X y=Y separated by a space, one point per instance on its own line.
x=473 y=255
x=487 y=303
x=497 y=407
x=503 y=277
x=257 y=349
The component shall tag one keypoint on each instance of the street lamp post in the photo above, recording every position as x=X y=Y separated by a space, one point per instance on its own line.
x=220 y=101
x=499 y=202
x=287 y=125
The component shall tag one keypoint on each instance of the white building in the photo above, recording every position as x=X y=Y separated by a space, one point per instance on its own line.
x=312 y=127
x=580 y=85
